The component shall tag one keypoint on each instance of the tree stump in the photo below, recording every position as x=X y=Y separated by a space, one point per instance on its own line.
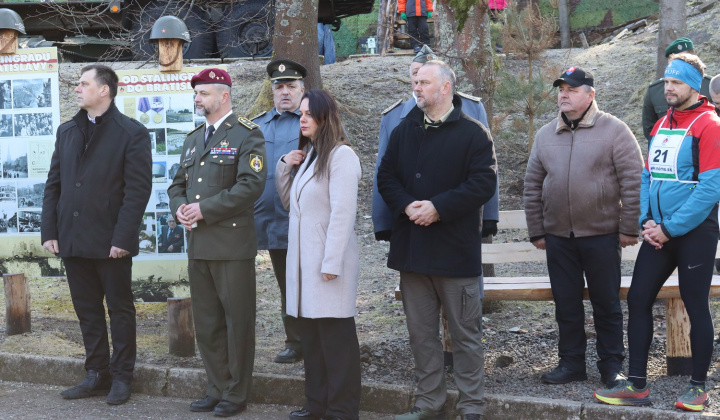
x=181 y=331
x=679 y=355
x=8 y=41
x=17 y=304
x=170 y=54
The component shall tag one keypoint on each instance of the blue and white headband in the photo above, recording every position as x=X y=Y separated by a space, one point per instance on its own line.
x=685 y=72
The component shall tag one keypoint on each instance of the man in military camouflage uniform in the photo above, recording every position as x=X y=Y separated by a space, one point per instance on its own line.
x=222 y=173
x=655 y=106
x=281 y=128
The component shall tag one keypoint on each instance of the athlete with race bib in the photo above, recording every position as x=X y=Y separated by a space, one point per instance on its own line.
x=679 y=217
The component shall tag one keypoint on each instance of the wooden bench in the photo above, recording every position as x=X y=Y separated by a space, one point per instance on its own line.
x=538 y=289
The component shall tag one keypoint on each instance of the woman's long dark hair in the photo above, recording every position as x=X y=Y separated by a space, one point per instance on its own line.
x=330 y=132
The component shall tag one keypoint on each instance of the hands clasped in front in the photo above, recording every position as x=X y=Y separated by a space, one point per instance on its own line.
x=189 y=214
x=653 y=234
x=423 y=212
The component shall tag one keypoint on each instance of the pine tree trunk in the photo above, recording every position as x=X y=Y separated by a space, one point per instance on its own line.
x=296 y=36
x=564 y=16
x=531 y=103
x=673 y=25
x=467 y=49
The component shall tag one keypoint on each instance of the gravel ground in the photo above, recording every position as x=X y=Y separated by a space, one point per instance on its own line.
x=364 y=87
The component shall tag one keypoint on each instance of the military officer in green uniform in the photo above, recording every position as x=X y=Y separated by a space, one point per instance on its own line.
x=654 y=105
x=222 y=173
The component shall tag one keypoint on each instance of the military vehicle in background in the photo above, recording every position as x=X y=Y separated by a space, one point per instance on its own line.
x=120 y=29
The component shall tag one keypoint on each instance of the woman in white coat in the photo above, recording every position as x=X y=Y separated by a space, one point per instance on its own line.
x=318 y=184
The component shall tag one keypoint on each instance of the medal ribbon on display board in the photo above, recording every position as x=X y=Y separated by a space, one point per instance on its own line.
x=144 y=107
x=157 y=103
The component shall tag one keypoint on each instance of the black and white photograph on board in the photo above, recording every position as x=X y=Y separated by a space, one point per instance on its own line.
x=28 y=125
x=8 y=193
x=6 y=125
x=5 y=94
x=13 y=155
x=162 y=202
x=30 y=194
x=32 y=93
x=29 y=221
x=8 y=218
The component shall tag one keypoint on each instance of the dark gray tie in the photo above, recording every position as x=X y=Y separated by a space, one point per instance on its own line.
x=209 y=134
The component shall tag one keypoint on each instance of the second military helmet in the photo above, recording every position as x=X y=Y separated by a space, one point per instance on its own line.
x=169 y=27
x=10 y=19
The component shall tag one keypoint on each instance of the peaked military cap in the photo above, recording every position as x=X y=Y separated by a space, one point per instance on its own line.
x=282 y=70
x=211 y=76
x=678 y=46
x=425 y=55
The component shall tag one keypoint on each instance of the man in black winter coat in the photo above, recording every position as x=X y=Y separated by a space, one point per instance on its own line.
x=438 y=171
x=97 y=189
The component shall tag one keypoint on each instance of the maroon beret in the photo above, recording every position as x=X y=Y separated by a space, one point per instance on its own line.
x=211 y=76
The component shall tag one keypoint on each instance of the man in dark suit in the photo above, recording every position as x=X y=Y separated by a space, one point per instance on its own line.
x=171 y=237
x=222 y=173
x=99 y=183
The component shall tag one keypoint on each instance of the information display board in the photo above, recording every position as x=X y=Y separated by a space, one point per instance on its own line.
x=29 y=118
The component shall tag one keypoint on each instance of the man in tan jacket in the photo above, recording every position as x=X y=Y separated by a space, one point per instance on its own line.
x=582 y=203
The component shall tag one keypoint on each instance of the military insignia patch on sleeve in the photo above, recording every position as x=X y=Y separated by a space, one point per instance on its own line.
x=256 y=163
x=247 y=123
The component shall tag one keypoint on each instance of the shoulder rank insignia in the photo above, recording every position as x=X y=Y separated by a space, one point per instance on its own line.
x=256 y=163
x=259 y=115
x=391 y=107
x=466 y=96
x=247 y=123
x=196 y=128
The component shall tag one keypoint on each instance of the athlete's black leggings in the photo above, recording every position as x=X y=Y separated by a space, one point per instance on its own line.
x=693 y=254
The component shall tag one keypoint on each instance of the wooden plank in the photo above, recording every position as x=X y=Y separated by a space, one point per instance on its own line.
x=538 y=288
x=513 y=252
x=512 y=219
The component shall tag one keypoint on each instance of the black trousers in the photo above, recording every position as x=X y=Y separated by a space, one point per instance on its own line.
x=417 y=28
x=598 y=258
x=332 y=367
x=278 y=257
x=692 y=254
x=90 y=281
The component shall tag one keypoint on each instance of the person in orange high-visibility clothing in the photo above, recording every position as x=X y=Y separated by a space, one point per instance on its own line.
x=416 y=13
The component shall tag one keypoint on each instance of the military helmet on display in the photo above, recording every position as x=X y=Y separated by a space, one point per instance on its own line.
x=169 y=27
x=10 y=19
